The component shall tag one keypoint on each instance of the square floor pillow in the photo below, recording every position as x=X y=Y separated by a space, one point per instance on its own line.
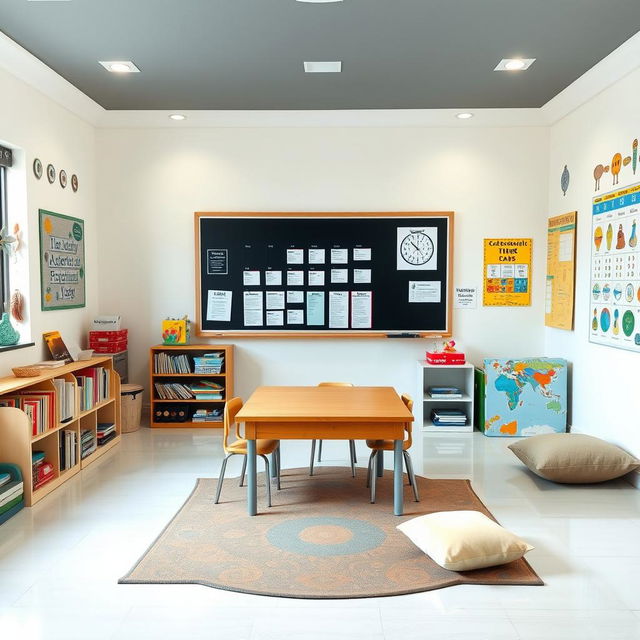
x=573 y=458
x=463 y=540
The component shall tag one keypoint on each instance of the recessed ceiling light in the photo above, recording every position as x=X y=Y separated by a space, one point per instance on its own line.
x=514 y=64
x=464 y=116
x=177 y=116
x=119 y=66
x=323 y=67
x=318 y=1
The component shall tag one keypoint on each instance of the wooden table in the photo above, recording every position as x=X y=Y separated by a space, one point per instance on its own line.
x=327 y=413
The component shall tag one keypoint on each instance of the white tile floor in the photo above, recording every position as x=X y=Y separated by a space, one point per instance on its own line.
x=60 y=561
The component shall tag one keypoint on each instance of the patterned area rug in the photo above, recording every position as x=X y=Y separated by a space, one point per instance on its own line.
x=321 y=539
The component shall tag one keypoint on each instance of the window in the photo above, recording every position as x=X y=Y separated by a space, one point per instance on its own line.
x=4 y=258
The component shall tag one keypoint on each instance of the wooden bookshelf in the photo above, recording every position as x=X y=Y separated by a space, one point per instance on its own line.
x=17 y=442
x=224 y=378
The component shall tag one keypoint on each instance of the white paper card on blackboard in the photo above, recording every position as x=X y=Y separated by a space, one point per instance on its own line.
x=339 y=256
x=295 y=256
x=315 y=308
x=362 y=276
x=316 y=278
x=275 y=299
x=295 y=297
x=253 y=305
x=362 y=254
x=273 y=278
x=361 y=309
x=466 y=298
x=219 y=305
x=316 y=256
x=295 y=316
x=424 y=291
x=338 y=309
x=275 y=318
x=217 y=262
x=295 y=278
x=339 y=276
x=251 y=278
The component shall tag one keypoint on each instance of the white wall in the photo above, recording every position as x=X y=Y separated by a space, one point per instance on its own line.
x=152 y=181
x=38 y=127
x=606 y=402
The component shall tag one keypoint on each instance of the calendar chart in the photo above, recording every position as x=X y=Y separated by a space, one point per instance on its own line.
x=615 y=269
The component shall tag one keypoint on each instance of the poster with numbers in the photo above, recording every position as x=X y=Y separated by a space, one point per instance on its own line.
x=615 y=280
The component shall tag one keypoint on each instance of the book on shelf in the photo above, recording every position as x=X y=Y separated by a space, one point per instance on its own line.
x=50 y=364
x=68 y=451
x=65 y=399
x=105 y=432
x=5 y=478
x=87 y=443
x=57 y=347
x=11 y=492
x=93 y=386
x=448 y=417
x=207 y=415
x=40 y=407
x=444 y=392
x=164 y=362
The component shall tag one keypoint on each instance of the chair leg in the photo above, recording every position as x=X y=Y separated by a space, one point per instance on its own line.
x=370 y=467
x=244 y=470
x=352 y=456
x=412 y=476
x=313 y=454
x=221 y=477
x=406 y=464
x=277 y=452
x=355 y=457
x=267 y=478
x=373 y=479
x=320 y=451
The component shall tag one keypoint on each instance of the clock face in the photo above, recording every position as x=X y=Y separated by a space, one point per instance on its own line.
x=416 y=248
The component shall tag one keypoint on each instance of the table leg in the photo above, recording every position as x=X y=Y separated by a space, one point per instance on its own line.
x=252 y=491
x=380 y=463
x=397 y=478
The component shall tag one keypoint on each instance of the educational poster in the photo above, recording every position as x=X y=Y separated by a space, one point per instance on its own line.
x=61 y=261
x=507 y=272
x=615 y=278
x=561 y=263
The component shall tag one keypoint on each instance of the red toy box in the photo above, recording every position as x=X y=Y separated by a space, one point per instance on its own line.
x=445 y=357
x=108 y=341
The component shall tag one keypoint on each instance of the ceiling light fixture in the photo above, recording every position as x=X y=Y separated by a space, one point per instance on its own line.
x=119 y=66
x=323 y=67
x=318 y=1
x=464 y=115
x=514 y=64
x=177 y=116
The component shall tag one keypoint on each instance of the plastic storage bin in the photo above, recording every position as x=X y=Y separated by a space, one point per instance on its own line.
x=131 y=396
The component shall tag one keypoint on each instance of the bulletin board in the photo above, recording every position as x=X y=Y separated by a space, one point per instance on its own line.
x=347 y=274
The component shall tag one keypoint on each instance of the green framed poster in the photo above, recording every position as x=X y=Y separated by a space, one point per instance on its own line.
x=62 y=282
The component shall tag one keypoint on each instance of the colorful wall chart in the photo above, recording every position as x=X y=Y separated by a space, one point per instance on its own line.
x=61 y=261
x=507 y=272
x=561 y=264
x=615 y=263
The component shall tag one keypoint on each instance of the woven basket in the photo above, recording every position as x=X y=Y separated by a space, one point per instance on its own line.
x=26 y=372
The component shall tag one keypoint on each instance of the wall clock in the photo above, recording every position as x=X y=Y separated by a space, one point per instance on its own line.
x=37 y=168
x=51 y=173
x=416 y=248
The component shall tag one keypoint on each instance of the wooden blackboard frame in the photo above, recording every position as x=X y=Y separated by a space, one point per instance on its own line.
x=307 y=333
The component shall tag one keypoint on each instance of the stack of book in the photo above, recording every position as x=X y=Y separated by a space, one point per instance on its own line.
x=448 y=417
x=38 y=404
x=209 y=363
x=93 y=386
x=444 y=393
x=87 y=443
x=11 y=492
x=43 y=471
x=173 y=391
x=166 y=363
x=105 y=433
x=206 y=390
x=68 y=449
x=65 y=399
x=207 y=415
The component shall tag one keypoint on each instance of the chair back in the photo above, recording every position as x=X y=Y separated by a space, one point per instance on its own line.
x=408 y=401
x=231 y=408
x=335 y=384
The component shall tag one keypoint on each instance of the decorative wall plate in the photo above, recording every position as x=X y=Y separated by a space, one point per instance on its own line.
x=74 y=182
x=51 y=173
x=63 y=178
x=37 y=168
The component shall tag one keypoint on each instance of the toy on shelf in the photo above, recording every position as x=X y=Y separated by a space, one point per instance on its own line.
x=175 y=331
x=447 y=355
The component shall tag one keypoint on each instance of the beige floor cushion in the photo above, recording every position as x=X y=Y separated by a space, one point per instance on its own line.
x=463 y=540
x=573 y=458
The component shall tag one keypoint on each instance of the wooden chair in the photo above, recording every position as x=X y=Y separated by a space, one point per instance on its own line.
x=379 y=446
x=239 y=447
x=352 y=444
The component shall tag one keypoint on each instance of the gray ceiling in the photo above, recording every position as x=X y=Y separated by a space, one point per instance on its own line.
x=248 y=54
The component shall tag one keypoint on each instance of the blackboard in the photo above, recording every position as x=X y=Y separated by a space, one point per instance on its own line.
x=391 y=270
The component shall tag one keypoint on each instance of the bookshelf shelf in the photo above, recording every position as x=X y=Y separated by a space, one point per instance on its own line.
x=161 y=406
x=17 y=443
